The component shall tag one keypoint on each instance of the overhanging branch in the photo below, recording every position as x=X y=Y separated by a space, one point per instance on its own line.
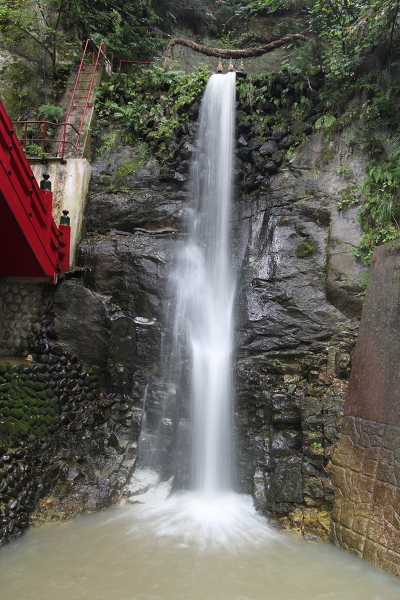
x=230 y=53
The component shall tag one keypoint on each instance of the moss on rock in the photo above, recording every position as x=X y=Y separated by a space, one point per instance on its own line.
x=26 y=407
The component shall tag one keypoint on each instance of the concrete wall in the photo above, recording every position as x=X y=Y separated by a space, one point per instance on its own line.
x=70 y=186
x=366 y=459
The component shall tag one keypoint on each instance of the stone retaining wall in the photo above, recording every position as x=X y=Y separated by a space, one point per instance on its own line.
x=366 y=473
x=366 y=460
x=22 y=308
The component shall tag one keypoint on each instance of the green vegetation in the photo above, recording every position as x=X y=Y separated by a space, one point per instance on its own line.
x=50 y=26
x=26 y=407
x=380 y=212
x=151 y=105
x=356 y=45
x=305 y=248
x=35 y=26
x=277 y=364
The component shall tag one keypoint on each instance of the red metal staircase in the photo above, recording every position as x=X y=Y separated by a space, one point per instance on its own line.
x=31 y=244
x=92 y=62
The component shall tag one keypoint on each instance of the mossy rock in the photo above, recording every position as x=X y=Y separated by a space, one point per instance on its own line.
x=17 y=413
x=3 y=368
x=17 y=428
x=305 y=248
x=38 y=386
x=29 y=401
x=4 y=388
x=40 y=431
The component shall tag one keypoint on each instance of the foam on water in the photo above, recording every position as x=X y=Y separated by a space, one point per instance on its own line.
x=225 y=520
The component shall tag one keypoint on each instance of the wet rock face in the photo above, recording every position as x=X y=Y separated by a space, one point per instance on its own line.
x=293 y=341
x=293 y=338
x=18 y=491
x=131 y=269
x=81 y=323
x=77 y=444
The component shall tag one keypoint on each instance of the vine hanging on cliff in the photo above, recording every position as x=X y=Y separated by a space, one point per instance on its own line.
x=230 y=53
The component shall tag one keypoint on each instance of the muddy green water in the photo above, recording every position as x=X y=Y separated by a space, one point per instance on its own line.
x=181 y=551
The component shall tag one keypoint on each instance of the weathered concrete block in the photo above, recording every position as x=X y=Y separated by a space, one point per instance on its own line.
x=383 y=494
x=360 y=525
x=370 y=467
x=385 y=472
x=391 y=438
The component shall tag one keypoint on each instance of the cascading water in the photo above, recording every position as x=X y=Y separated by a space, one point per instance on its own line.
x=205 y=289
x=200 y=370
x=211 y=514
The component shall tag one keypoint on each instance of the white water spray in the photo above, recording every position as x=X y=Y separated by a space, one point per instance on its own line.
x=211 y=515
x=205 y=289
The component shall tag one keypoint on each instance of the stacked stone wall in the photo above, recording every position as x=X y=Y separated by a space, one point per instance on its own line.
x=366 y=473
x=22 y=308
x=366 y=460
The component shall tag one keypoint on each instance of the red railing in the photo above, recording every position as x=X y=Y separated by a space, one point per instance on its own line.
x=37 y=136
x=99 y=57
x=138 y=63
x=56 y=146
x=31 y=244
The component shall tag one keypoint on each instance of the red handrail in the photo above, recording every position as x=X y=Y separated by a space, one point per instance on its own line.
x=101 y=51
x=25 y=141
x=98 y=55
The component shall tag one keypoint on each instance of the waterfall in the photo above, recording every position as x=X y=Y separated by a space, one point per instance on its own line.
x=198 y=373
x=205 y=289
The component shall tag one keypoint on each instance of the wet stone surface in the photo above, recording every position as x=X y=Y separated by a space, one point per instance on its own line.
x=294 y=337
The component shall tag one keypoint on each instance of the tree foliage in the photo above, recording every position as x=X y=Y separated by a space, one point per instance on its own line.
x=39 y=23
x=150 y=105
x=127 y=26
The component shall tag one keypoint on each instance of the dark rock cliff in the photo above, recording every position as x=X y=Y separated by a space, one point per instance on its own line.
x=298 y=299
